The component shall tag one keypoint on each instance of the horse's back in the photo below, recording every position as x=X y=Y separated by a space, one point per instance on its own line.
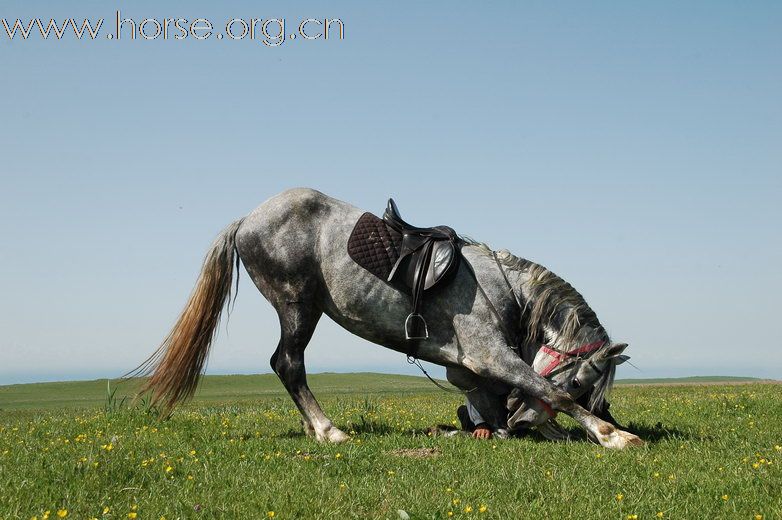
x=291 y=233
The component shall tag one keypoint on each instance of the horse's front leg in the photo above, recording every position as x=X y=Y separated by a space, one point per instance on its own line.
x=502 y=364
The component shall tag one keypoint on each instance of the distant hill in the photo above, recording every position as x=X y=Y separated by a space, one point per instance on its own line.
x=246 y=388
x=232 y=388
x=690 y=380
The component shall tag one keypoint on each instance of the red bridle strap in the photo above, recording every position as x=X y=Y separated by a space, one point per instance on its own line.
x=559 y=357
x=549 y=410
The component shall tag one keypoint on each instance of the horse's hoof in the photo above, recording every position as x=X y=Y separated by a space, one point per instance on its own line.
x=334 y=435
x=620 y=439
x=632 y=440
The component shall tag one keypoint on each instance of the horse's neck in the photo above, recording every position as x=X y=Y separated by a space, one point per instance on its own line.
x=550 y=333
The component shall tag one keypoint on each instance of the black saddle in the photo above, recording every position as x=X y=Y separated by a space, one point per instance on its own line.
x=427 y=257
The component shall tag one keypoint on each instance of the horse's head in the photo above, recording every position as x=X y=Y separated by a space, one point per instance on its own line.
x=587 y=369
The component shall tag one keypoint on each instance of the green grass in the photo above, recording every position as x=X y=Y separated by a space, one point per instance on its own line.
x=238 y=451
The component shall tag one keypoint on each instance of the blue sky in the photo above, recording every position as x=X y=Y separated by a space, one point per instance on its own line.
x=633 y=149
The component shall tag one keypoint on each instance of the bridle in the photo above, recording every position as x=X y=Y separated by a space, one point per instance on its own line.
x=560 y=357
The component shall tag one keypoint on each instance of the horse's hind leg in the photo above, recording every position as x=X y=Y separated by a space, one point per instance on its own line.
x=297 y=323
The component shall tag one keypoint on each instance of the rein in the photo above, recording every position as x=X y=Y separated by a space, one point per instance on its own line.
x=414 y=361
x=559 y=356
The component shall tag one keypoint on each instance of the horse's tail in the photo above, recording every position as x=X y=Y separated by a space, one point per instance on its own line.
x=177 y=364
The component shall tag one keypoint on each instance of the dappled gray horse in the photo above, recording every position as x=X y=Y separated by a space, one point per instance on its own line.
x=294 y=247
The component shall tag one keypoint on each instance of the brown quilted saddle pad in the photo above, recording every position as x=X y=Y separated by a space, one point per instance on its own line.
x=374 y=246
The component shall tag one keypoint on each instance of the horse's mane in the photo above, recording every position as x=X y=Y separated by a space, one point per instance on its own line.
x=549 y=303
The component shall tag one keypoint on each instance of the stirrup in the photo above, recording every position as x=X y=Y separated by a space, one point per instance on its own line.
x=415 y=316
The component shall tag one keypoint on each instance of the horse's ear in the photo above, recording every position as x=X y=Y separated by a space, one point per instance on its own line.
x=621 y=359
x=614 y=351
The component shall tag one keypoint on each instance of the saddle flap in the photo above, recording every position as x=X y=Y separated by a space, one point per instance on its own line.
x=443 y=260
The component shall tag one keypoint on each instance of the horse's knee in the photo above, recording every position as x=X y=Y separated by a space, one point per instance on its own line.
x=281 y=367
x=290 y=371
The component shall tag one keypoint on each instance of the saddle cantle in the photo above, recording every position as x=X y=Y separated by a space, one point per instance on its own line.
x=411 y=258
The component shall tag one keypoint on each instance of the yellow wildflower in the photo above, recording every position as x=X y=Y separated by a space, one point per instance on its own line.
x=62 y=513
x=270 y=514
x=106 y=510
x=482 y=508
x=659 y=514
x=725 y=497
x=132 y=515
x=338 y=456
x=468 y=508
x=619 y=497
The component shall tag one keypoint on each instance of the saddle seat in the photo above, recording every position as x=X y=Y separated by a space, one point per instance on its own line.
x=427 y=257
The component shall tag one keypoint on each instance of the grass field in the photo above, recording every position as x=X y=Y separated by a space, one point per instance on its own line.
x=713 y=451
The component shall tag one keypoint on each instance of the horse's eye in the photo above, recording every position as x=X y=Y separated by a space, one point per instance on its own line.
x=575 y=383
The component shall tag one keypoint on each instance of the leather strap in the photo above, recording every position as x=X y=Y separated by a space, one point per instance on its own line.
x=419 y=280
x=505 y=332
